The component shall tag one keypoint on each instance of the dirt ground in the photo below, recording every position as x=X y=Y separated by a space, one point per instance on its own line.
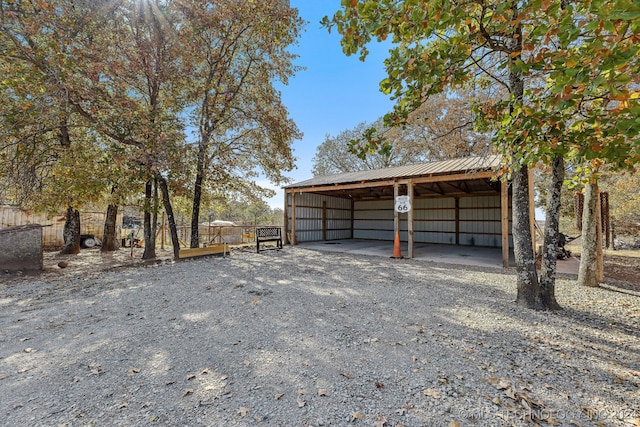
x=299 y=338
x=622 y=267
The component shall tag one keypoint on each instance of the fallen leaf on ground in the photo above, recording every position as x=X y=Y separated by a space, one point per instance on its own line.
x=133 y=371
x=431 y=393
x=205 y=371
x=503 y=385
x=356 y=416
x=278 y=396
x=243 y=411
x=347 y=375
x=301 y=402
x=323 y=392
x=510 y=393
x=124 y=405
x=379 y=384
x=187 y=392
x=191 y=377
x=380 y=421
x=503 y=416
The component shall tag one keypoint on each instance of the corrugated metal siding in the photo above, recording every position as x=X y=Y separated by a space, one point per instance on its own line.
x=434 y=220
x=309 y=211
x=480 y=223
x=373 y=219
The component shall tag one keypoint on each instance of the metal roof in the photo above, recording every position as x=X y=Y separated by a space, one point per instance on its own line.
x=444 y=167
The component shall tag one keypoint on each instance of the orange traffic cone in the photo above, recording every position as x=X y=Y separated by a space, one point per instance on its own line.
x=396 y=246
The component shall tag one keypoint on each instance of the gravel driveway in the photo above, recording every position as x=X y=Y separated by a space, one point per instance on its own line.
x=303 y=338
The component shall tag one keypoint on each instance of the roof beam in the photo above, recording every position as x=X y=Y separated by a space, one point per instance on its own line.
x=390 y=183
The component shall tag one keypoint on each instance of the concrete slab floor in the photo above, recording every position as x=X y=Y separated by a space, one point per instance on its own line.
x=450 y=254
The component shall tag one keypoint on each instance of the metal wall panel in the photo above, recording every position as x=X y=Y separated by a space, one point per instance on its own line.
x=434 y=237
x=434 y=219
x=374 y=205
x=435 y=203
x=309 y=214
x=380 y=215
x=439 y=226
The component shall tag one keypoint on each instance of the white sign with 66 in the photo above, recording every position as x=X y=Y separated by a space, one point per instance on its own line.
x=403 y=204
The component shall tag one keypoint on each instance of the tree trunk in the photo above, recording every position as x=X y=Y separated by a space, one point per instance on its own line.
x=170 y=218
x=587 y=275
x=154 y=216
x=71 y=232
x=109 y=238
x=526 y=275
x=528 y=294
x=197 y=197
x=149 y=250
x=551 y=232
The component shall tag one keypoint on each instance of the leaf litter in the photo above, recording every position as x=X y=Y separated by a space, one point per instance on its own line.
x=448 y=346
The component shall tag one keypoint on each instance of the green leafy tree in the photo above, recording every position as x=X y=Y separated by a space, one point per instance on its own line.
x=561 y=65
x=440 y=128
x=109 y=67
x=238 y=53
x=334 y=155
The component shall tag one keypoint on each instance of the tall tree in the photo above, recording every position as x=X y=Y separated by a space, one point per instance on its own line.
x=239 y=52
x=335 y=154
x=552 y=58
x=440 y=128
x=139 y=73
x=117 y=81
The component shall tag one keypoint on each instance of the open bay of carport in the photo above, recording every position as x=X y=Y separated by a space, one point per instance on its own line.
x=448 y=254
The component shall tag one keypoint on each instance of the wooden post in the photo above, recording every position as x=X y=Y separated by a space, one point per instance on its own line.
x=410 y=219
x=285 y=240
x=324 y=220
x=396 y=215
x=504 y=221
x=294 y=241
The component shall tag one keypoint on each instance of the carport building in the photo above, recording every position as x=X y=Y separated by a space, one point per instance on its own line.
x=452 y=202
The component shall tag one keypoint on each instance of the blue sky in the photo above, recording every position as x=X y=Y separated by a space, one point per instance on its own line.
x=334 y=93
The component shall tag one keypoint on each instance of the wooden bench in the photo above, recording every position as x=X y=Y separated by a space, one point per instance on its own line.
x=268 y=234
